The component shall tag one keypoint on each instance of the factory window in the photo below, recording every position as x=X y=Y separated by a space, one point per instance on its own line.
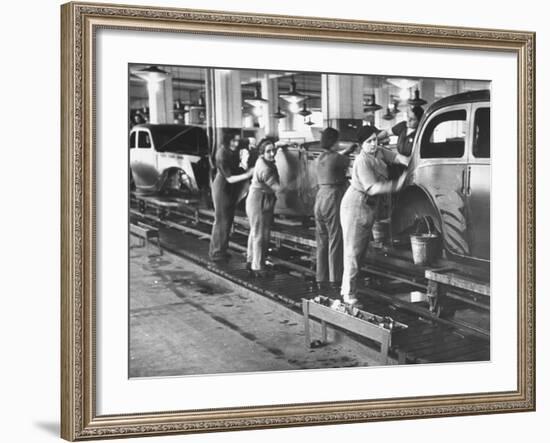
x=132 y=140
x=144 y=140
x=444 y=136
x=482 y=133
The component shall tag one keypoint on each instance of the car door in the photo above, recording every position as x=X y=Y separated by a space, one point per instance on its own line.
x=478 y=186
x=441 y=172
x=144 y=164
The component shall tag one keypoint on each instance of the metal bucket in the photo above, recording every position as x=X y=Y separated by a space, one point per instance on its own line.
x=424 y=248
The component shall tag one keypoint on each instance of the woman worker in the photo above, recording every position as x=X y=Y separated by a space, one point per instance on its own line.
x=405 y=131
x=331 y=168
x=225 y=192
x=358 y=211
x=260 y=204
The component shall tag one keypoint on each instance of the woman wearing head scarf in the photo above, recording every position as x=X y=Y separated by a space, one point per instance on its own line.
x=260 y=204
x=225 y=193
x=331 y=168
x=405 y=131
x=358 y=211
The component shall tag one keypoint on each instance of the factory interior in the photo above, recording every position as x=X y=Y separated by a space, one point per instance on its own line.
x=306 y=220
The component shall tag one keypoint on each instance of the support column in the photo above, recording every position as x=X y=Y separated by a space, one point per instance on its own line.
x=342 y=103
x=270 y=91
x=227 y=99
x=161 y=100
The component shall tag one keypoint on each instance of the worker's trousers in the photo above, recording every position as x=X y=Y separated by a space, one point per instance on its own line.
x=357 y=214
x=224 y=213
x=328 y=233
x=259 y=210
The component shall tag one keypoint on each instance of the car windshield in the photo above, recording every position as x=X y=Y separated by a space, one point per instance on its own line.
x=180 y=139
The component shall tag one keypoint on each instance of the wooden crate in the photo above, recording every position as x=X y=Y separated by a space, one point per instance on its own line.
x=364 y=328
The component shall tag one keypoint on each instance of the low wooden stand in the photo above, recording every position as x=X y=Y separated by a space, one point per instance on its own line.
x=345 y=321
x=145 y=233
x=441 y=283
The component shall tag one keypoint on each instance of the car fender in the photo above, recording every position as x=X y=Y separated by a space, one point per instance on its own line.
x=446 y=207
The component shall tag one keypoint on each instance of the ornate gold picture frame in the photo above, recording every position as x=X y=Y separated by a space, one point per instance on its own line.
x=80 y=22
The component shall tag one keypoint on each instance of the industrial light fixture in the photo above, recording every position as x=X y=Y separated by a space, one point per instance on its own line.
x=373 y=106
x=416 y=101
x=309 y=122
x=389 y=115
x=395 y=108
x=279 y=114
x=293 y=96
x=305 y=111
x=152 y=74
x=257 y=100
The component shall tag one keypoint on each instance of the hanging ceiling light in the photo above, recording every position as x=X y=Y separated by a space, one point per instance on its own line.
x=152 y=74
x=279 y=114
x=293 y=96
x=373 y=106
x=395 y=108
x=257 y=100
x=388 y=115
x=305 y=111
x=416 y=101
x=309 y=122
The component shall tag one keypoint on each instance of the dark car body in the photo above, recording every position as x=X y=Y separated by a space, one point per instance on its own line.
x=449 y=175
x=170 y=156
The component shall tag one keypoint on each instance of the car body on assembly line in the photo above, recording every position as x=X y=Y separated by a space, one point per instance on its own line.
x=449 y=176
x=168 y=158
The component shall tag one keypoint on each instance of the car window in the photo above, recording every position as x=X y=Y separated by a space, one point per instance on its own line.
x=144 y=140
x=132 y=140
x=444 y=136
x=181 y=139
x=481 y=147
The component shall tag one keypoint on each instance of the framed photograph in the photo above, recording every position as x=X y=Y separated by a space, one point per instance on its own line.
x=277 y=221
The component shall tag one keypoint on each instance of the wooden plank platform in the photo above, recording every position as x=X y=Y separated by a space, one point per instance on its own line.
x=451 y=277
x=432 y=342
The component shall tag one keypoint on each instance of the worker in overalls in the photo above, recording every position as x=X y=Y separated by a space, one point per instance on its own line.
x=331 y=168
x=358 y=211
x=225 y=192
x=260 y=204
x=406 y=132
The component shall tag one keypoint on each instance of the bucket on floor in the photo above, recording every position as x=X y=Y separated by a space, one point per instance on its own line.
x=425 y=246
x=381 y=231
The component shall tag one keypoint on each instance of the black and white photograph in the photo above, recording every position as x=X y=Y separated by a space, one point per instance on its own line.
x=281 y=221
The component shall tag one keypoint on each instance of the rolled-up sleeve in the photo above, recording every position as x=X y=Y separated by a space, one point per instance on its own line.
x=389 y=156
x=270 y=177
x=364 y=174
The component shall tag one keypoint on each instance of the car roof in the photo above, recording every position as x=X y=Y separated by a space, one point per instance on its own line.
x=163 y=126
x=481 y=95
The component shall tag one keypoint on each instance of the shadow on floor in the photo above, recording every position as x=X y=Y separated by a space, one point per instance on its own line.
x=49 y=427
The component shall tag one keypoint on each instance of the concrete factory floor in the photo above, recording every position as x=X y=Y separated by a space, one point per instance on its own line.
x=185 y=320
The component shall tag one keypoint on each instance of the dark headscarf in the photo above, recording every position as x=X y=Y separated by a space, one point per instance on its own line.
x=417 y=111
x=228 y=136
x=365 y=132
x=328 y=137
